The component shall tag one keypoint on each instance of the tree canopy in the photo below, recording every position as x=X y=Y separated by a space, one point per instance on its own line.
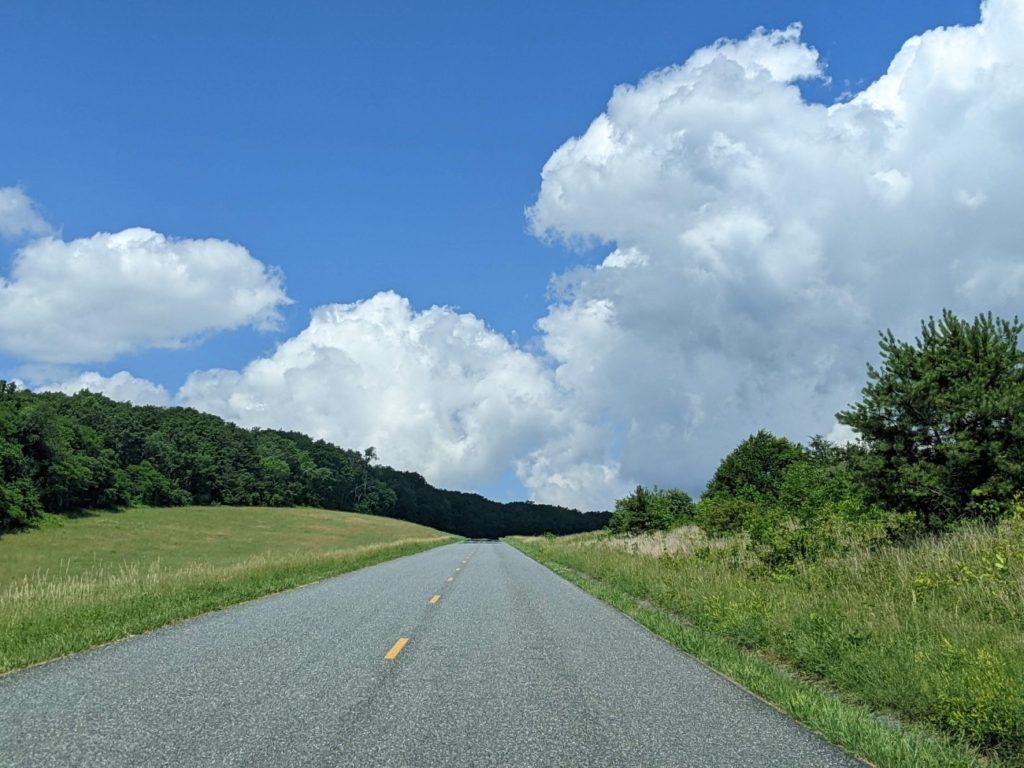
x=942 y=418
x=754 y=470
x=62 y=454
x=651 y=510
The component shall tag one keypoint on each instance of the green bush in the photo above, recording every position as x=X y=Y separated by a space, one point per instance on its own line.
x=780 y=540
x=978 y=694
x=673 y=505
x=823 y=479
x=651 y=510
x=19 y=504
x=719 y=515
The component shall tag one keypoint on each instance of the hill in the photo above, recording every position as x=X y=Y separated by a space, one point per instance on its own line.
x=76 y=583
x=62 y=454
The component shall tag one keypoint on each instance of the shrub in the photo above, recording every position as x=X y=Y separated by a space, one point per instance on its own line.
x=823 y=479
x=651 y=510
x=672 y=506
x=978 y=694
x=723 y=514
x=19 y=504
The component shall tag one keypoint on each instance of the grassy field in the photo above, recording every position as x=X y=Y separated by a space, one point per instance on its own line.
x=908 y=656
x=76 y=583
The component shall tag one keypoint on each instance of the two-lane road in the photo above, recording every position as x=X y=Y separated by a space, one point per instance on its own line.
x=467 y=655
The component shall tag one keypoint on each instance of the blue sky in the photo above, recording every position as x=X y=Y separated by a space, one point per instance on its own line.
x=359 y=148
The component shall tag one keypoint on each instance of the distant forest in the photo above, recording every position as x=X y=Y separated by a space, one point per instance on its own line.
x=63 y=454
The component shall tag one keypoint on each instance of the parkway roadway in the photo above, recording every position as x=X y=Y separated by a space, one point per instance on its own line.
x=470 y=654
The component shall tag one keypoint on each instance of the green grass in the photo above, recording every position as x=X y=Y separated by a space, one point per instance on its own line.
x=76 y=583
x=931 y=636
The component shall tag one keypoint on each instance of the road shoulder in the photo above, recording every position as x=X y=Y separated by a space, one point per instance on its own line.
x=852 y=727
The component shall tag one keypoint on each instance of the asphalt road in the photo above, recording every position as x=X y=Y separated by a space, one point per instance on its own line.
x=509 y=666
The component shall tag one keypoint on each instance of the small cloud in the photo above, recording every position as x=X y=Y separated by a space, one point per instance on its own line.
x=94 y=298
x=892 y=186
x=842 y=434
x=121 y=386
x=972 y=200
x=622 y=259
x=19 y=216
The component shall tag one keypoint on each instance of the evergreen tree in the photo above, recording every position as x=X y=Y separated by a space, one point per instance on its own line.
x=942 y=419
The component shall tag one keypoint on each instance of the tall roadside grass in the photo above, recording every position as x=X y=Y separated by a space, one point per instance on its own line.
x=87 y=597
x=928 y=638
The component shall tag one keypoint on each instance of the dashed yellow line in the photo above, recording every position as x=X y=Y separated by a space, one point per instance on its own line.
x=396 y=648
x=434 y=599
x=451 y=578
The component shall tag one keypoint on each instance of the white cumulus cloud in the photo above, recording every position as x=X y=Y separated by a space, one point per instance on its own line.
x=91 y=299
x=759 y=241
x=19 y=216
x=121 y=386
x=436 y=391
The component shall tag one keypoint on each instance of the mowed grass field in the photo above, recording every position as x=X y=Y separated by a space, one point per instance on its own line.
x=908 y=656
x=76 y=583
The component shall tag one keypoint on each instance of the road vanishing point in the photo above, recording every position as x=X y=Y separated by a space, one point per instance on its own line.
x=470 y=654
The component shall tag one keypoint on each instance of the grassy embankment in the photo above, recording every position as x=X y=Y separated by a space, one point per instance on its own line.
x=76 y=583
x=907 y=656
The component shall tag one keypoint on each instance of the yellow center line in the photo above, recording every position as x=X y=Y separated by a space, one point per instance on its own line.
x=451 y=578
x=434 y=599
x=396 y=648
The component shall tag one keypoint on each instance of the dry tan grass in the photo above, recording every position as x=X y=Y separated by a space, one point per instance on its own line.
x=678 y=541
x=682 y=541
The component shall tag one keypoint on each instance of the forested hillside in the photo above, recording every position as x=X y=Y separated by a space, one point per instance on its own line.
x=62 y=454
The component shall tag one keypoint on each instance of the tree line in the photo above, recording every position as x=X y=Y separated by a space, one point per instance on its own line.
x=63 y=454
x=940 y=441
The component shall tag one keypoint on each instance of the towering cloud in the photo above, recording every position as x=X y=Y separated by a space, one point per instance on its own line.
x=759 y=241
